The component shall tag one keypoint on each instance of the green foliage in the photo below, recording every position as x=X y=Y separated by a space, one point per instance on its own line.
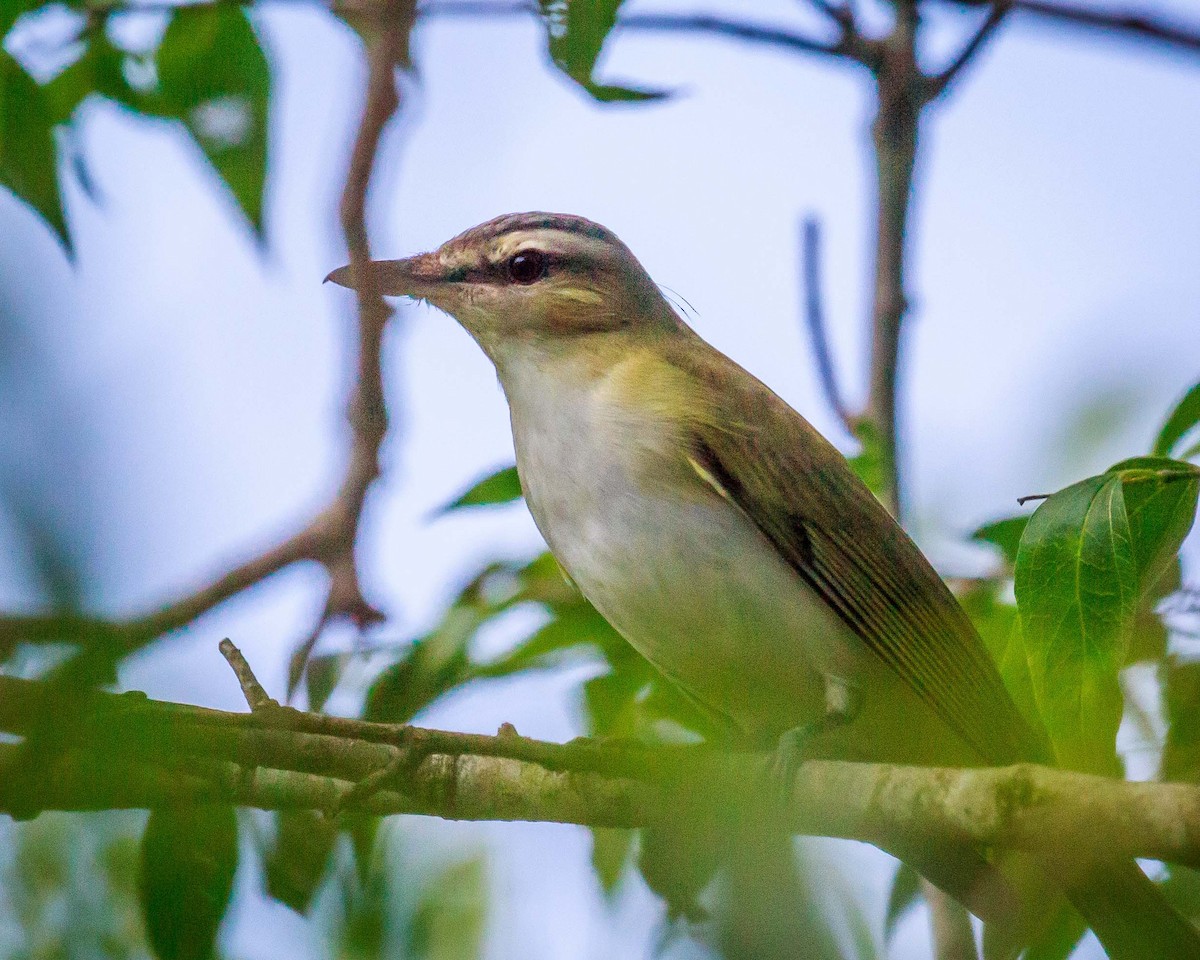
x=213 y=76
x=576 y=31
x=1004 y=534
x=450 y=917
x=1181 y=421
x=502 y=486
x=189 y=858
x=296 y=862
x=1086 y=559
x=903 y=897
x=70 y=887
x=612 y=849
x=870 y=463
x=28 y=156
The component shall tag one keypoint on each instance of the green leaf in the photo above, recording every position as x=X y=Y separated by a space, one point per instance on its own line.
x=28 y=153
x=1181 y=753
x=1005 y=534
x=1090 y=557
x=1076 y=585
x=905 y=894
x=189 y=858
x=298 y=858
x=577 y=31
x=870 y=463
x=321 y=677
x=1182 y=420
x=503 y=486
x=214 y=77
x=451 y=915
x=612 y=849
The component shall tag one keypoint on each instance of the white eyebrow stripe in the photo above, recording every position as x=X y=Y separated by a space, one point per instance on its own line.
x=552 y=241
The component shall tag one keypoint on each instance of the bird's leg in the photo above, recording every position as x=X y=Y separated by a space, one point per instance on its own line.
x=842 y=704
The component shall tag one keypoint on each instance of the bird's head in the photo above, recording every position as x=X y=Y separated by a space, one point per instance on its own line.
x=528 y=276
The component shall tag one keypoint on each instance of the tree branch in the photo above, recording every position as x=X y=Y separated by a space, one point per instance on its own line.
x=146 y=753
x=814 y=318
x=940 y=83
x=1185 y=37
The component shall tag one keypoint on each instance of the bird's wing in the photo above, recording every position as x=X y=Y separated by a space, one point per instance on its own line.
x=805 y=499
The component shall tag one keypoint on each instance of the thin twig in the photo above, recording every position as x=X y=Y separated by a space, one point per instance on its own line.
x=1138 y=25
x=938 y=84
x=814 y=317
x=1021 y=501
x=256 y=696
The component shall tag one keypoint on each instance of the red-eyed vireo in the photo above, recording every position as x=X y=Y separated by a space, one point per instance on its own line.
x=723 y=536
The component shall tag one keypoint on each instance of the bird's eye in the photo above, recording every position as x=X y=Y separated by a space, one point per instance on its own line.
x=526 y=267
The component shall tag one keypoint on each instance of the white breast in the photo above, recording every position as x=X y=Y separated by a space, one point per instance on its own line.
x=690 y=583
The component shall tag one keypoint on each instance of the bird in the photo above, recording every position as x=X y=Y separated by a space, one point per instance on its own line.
x=726 y=539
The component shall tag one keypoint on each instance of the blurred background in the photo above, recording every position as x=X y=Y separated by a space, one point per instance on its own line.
x=171 y=395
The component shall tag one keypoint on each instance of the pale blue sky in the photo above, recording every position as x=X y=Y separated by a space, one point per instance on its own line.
x=198 y=385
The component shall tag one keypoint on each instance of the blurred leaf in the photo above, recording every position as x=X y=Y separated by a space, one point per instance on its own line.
x=773 y=902
x=321 y=677
x=189 y=857
x=1181 y=753
x=430 y=668
x=362 y=932
x=214 y=77
x=100 y=69
x=1181 y=421
x=1182 y=890
x=905 y=894
x=870 y=463
x=363 y=830
x=298 y=858
x=28 y=153
x=1087 y=558
x=1005 y=534
x=612 y=849
x=611 y=703
x=678 y=861
x=503 y=486
x=449 y=919
x=1059 y=940
x=577 y=30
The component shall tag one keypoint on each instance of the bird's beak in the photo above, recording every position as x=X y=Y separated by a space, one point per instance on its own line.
x=419 y=276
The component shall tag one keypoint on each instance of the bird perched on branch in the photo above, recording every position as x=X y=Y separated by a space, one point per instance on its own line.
x=723 y=536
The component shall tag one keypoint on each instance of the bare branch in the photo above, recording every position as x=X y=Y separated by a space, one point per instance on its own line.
x=256 y=697
x=940 y=83
x=1185 y=37
x=814 y=317
x=655 y=23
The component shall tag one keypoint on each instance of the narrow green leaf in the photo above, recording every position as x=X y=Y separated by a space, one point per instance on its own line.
x=296 y=862
x=1160 y=497
x=502 y=486
x=905 y=894
x=322 y=675
x=1005 y=534
x=1076 y=585
x=451 y=916
x=189 y=858
x=1182 y=420
x=577 y=31
x=612 y=849
x=28 y=153
x=214 y=77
